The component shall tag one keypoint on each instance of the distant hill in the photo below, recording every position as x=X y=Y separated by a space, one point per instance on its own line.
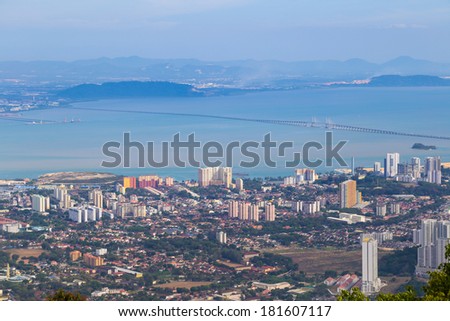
x=130 y=89
x=408 y=81
x=237 y=73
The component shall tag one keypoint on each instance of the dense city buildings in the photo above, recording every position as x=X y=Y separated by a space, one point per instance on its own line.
x=149 y=181
x=215 y=176
x=301 y=176
x=226 y=241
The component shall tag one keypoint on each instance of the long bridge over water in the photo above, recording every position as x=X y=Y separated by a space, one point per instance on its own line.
x=298 y=123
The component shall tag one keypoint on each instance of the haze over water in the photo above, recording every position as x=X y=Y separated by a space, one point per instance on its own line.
x=30 y=150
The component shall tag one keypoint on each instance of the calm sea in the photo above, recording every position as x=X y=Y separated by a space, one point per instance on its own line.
x=30 y=150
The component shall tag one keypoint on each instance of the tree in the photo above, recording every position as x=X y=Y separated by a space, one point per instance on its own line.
x=409 y=295
x=438 y=287
x=354 y=295
x=62 y=295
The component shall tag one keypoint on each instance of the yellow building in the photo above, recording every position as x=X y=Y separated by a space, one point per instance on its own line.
x=348 y=196
x=129 y=182
x=92 y=260
x=74 y=255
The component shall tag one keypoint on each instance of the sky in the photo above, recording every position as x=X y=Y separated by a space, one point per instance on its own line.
x=289 y=30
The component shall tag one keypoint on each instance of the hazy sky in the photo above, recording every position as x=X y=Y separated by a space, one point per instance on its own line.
x=225 y=29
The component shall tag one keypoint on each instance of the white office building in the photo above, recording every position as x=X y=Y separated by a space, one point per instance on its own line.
x=233 y=209
x=243 y=214
x=85 y=214
x=371 y=283
x=221 y=237
x=100 y=252
x=433 y=172
x=96 y=197
x=269 y=212
x=377 y=167
x=40 y=203
x=381 y=209
x=240 y=184
x=215 y=176
x=416 y=167
x=391 y=164
x=254 y=213
x=432 y=238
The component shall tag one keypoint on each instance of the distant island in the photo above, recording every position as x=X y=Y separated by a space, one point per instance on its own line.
x=130 y=89
x=423 y=147
x=146 y=89
x=77 y=178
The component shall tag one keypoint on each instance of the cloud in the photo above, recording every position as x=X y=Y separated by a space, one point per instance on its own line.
x=104 y=13
x=405 y=26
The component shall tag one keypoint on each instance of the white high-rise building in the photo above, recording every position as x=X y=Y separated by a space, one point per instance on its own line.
x=60 y=192
x=233 y=209
x=433 y=171
x=96 y=197
x=371 y=283
x=221 y=237
x=391 y=164
x=78 y=215
x=381 y=209
x=415 y=167
x=85 y=214
x=297 y=206
x=310 y=207
x=432 y=239
x=307 y=175
x=240 y=184
x=243 y=211
x=377 y=167
x=40 y=203
x=269 y=212
x=66 y=202
x=394 y=208
x=215 y=176
x=94 y=213
x=254 y=213
x=101 y=251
